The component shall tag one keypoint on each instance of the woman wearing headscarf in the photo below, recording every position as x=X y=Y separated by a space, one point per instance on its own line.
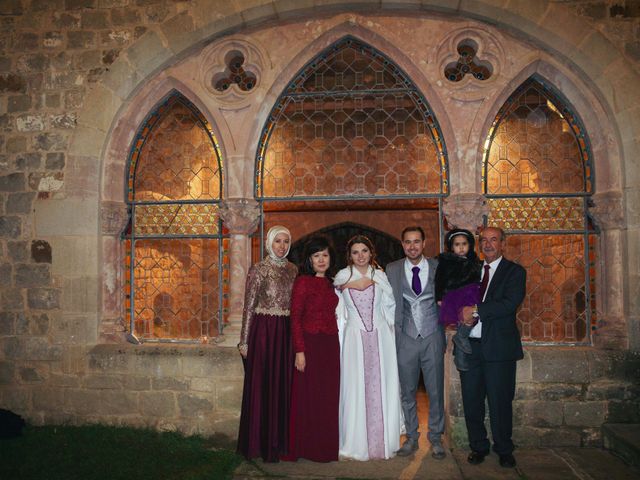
x=370 y=410
x=265 y=346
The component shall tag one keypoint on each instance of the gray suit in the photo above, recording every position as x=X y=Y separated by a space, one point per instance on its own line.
x=420 y=344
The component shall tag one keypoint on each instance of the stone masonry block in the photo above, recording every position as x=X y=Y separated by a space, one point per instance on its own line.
x=12 y=298
x=32 y=374
x=52 y=217
x=80 y=295
x=5 y=274
x=607 y=391
x=39 y=324
x=17 y=251
x=158 y=404
x=121 y=78
x=32 y=275
x=561 y=391
x=169 y=383
x=86 y=141
x=47 y=398
x=125 y=16
x=19 y=103
x=99 y=109
x=102 y=382
x=69 y=253
x=158 y=365
x=229 y=395
x=10 y=227
x=81 y=39
x=525 y=436
x=560 y=437
x=55 y=161
x=7 y=372
x=627 y=411
x=30 y=123
x=7 y=323
x=43 y=298
x=545 y=361
x=118 y=403
x=39 y=349
x=585 y=414
x=179 y=31
x=29 y=161
x=203 y=385
x=13 y=182
x=50 y=141
x=148 y=53
x=83 y=402
x=136 y=383
x=192 y=405
x=538 y=413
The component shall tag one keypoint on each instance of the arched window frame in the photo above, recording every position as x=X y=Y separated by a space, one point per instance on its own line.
x=130 y=234
x=407 y=86
x=588 y=230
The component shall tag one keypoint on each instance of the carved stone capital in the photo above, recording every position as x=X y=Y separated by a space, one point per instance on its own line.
x=113 y=217
x=240 y=215
x=465 y=210
x=607 y=210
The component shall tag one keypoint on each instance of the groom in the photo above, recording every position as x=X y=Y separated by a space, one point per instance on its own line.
x=420 y=339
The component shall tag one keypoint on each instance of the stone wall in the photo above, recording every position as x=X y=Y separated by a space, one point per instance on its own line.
x=59 y=59
x=563 y=396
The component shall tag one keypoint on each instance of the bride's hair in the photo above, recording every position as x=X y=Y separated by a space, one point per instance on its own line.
x=367 y=243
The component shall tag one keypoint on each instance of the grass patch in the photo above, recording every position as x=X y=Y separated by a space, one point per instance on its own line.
x=98 y=452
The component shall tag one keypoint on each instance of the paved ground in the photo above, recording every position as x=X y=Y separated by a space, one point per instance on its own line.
x=533 y=464
x=546 y=464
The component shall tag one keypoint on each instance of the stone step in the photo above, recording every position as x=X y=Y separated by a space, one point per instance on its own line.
x=623 y=439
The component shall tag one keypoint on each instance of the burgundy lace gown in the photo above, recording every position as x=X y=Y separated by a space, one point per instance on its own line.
x=315 y=393
x=264 y=419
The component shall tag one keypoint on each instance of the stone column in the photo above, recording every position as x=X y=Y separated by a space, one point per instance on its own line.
x=608 y=213
x=465 y=210
x=240 y=216
x=113 y=220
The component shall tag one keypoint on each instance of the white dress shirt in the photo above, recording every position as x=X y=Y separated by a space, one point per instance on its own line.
x=476 y=331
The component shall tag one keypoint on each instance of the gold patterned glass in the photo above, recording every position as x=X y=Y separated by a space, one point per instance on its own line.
x=536 y=147
x=178 y=159
x=558 y=298
x=351 y=124
x=173 y=285
x=176 y=219
x=177 y=288
x=537 y=177
x=538 y=214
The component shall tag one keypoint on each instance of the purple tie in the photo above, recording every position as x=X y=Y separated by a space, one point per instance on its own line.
x=415 y=281
x=485 y=281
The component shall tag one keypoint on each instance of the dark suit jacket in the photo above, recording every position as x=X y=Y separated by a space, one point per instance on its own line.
x=500 y=335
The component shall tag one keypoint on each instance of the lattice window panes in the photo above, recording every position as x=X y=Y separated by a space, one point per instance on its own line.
x=176 y=259
x=538 y=177
x=351 y=124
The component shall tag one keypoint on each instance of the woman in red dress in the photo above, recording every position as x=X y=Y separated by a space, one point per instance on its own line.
x=265 y=346
x=316 y=378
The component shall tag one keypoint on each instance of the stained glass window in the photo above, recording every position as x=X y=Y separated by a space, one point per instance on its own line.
x=351 y=124
x=537 y=179
x=176 y=250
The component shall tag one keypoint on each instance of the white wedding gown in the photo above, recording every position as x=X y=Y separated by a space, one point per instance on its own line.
x=370 y=410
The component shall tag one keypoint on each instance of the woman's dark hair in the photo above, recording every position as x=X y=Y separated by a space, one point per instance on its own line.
x=317 y=244
x=461 y=232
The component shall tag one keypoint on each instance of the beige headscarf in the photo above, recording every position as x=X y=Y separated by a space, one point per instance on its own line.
x=271 y=236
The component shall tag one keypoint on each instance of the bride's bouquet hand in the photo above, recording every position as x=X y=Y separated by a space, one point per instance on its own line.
x=359 y=284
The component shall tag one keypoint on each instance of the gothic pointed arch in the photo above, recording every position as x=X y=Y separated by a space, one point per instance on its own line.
x=174 y=239
x=538 y=177
x=351 y=124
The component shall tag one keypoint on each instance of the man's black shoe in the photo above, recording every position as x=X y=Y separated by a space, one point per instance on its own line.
x=476 y=458
x=507 y=461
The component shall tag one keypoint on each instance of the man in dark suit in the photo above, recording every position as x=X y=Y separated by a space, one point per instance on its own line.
x=496 y=346
x=420 y=340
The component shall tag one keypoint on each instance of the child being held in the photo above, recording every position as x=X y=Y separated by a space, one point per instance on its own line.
x=457 y=285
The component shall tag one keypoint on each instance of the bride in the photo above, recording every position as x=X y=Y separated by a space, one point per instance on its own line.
x=370 y=412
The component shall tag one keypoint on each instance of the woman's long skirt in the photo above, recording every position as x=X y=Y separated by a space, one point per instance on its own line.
x=315 y=398
x=264 y=420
